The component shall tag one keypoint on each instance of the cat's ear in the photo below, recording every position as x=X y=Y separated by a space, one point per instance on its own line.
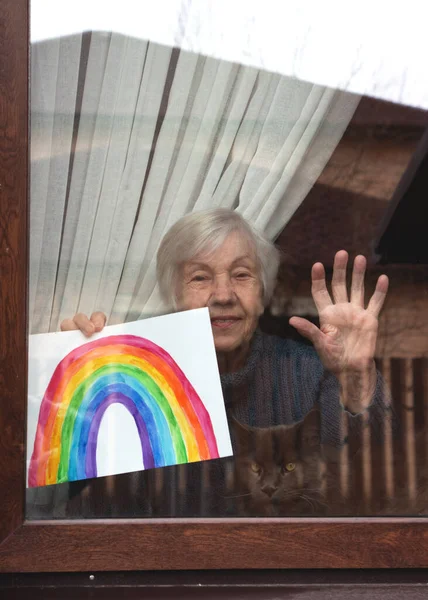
x=310 y=431
x=242 y=434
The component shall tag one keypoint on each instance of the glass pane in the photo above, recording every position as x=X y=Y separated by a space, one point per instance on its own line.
x=128 y=136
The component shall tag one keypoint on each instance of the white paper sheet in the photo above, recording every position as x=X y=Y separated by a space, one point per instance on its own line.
x=105 y=424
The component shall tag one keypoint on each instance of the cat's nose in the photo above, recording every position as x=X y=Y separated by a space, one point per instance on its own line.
x=269 y=490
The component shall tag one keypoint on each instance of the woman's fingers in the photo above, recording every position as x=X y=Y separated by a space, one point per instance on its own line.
x=84 y=324
x=319 y=289
x=307 y=329
x=320 y=293
x=379 y=295
x=338 y=282
x=87 y=326
x=99 y=320
x=357 y=285
x=68 y=325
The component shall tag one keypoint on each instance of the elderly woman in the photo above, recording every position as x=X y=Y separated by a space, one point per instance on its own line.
x=216 y=259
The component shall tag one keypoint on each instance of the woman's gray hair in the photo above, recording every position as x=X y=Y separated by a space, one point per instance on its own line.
x=203 y=232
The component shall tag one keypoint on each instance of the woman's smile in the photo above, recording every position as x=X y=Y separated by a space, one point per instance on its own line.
x=224 y=322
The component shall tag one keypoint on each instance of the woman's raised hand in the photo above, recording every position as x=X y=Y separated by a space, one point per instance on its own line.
x=346 y=338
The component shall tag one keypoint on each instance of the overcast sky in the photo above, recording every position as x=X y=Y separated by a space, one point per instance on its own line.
x=373 y=47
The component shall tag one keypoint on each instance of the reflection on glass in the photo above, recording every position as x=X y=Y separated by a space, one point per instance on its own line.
x=160 y=180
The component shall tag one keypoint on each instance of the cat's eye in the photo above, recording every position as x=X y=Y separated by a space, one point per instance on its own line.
x=290 y=467
x=255 y=467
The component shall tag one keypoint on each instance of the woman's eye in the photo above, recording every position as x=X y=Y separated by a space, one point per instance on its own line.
x=255 y=467
x=242 y=275
x=199 y=278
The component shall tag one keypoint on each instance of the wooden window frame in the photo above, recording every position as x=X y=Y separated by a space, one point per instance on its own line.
x=123 y=545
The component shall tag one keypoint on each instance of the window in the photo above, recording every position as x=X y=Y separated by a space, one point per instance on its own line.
x=140 y=543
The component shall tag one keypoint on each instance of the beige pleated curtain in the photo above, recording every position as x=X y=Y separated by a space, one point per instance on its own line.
x=128 y=136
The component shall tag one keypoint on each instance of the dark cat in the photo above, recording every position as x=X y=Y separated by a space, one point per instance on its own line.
x=285 y=471
x=279 y=470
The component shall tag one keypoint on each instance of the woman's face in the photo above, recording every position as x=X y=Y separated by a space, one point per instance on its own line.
x=227 y=281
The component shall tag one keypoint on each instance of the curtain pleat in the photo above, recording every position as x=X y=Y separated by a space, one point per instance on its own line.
x=82 y=199
x=164 y=158
x=282 y=148
x=117 y=229
x=246 y=141
x=44 y=65
x=338 y=108
x=55 y=68
x=233 y=115
x=128 y=136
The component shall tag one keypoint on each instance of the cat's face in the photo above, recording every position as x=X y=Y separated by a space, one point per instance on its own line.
x=278 y=468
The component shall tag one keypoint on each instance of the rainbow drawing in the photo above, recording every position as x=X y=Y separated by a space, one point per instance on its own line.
x=173 y=424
